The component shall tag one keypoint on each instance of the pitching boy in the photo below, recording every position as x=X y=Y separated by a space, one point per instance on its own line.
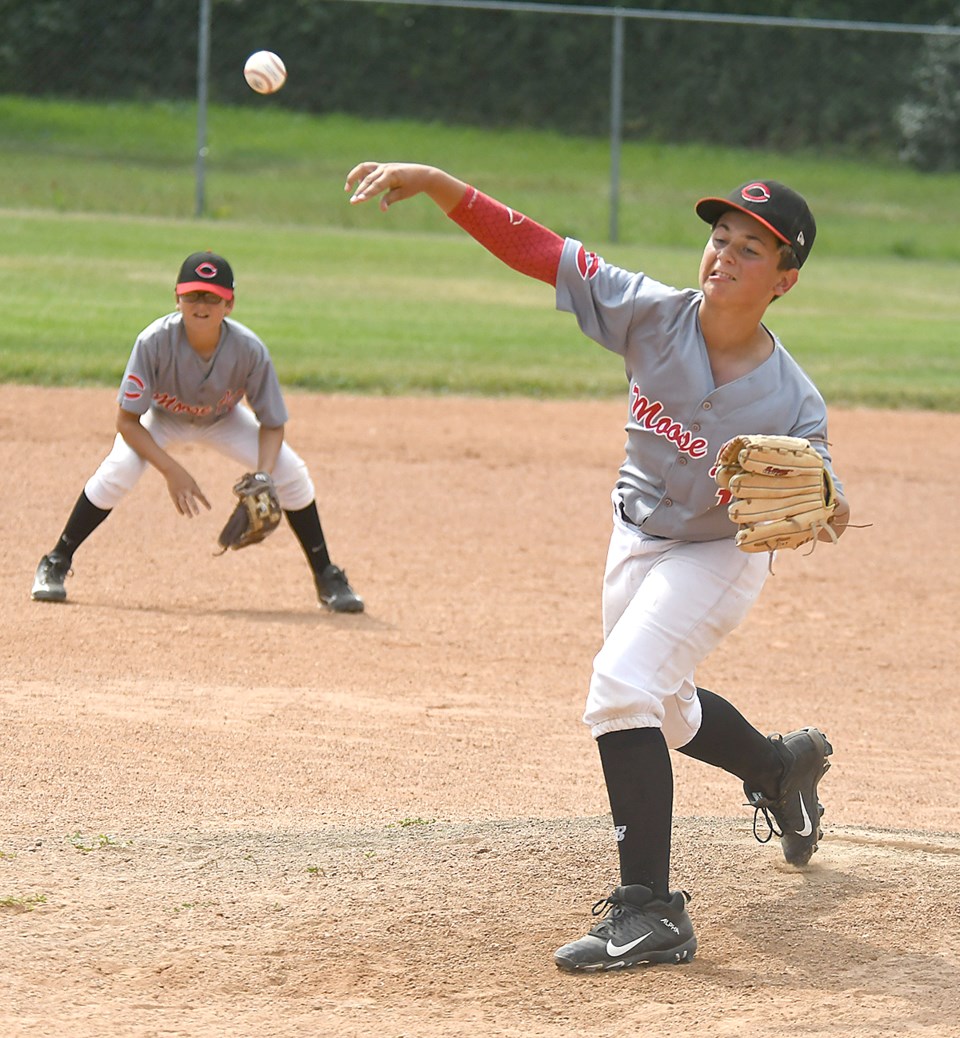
x=702 y=368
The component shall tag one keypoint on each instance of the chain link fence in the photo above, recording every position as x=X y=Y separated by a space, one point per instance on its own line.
x=751 y=76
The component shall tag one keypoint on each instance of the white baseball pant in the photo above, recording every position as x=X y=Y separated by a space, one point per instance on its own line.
x=666 y=605
x=236 y=436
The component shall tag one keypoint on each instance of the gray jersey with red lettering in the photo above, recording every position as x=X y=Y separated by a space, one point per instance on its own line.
x=165 y=372
x=678 y=418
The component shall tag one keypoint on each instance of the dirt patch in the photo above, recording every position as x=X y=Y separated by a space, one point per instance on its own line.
x=226 y=812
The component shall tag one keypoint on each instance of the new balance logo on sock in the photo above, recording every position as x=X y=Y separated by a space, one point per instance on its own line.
x=620 y=831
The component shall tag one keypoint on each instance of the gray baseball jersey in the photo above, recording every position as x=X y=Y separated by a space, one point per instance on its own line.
x=678 y=418
x=166 y=373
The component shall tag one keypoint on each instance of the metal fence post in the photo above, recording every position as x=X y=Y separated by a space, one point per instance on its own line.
x=203 y=80
x=616 y=122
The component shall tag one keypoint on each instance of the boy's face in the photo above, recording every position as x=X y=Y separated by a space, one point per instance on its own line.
x=203 y=309
x=741 y=262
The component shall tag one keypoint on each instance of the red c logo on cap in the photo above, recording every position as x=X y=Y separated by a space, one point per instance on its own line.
x=207 y=270
x=755 y=192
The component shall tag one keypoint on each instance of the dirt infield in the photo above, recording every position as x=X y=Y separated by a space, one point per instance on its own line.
x=227 y=813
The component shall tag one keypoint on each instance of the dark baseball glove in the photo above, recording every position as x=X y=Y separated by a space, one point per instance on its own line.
x=256 y=514
x=783 y=495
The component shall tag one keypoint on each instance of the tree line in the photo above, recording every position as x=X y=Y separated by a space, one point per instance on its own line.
x=795 y=88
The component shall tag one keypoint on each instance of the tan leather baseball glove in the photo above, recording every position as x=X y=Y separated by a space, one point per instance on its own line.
x=783 y=495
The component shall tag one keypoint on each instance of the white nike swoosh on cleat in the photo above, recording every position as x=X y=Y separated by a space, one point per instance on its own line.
x=614 y=950
x=807 y=824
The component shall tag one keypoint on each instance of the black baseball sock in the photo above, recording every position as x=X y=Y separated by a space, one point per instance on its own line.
x=305 y=523
x=84 y=519
x=728 y=741
x=639 y=778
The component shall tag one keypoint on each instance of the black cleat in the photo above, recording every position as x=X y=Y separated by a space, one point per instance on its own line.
x=637 y=927
x=335 y=592
x=796 y=809
x=48 y=584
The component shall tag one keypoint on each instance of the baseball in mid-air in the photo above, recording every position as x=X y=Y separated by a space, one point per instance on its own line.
x=265 y=72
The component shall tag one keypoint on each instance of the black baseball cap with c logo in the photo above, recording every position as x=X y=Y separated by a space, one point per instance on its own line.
x=206 y=272
x=778 y=207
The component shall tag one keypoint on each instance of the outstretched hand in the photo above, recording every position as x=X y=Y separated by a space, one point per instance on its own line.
x=185 y=492
x=396 y=181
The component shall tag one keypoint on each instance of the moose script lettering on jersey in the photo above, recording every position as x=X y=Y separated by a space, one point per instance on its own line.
x=226 y=403
x=649 y=414
x=134 y=387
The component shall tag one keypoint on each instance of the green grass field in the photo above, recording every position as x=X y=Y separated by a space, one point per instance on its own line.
x=98 y=209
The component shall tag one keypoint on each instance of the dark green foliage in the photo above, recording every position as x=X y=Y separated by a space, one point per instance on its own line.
x=768 y=87
x=929 y=119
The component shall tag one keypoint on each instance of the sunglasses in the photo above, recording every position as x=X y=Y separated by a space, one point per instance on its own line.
x=211 y=298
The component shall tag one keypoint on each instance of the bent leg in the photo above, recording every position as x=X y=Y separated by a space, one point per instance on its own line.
x=116 y=476
x=82 y=521
x=681 y=601
x=666 y=606
x=237 y=436
x=727 y=740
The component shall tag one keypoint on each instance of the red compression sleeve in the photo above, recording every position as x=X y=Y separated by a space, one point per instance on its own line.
x=519 y=242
